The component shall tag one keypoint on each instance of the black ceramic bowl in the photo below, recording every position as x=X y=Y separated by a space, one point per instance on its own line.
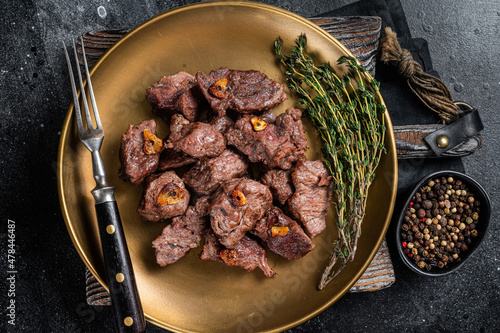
x=481 y=225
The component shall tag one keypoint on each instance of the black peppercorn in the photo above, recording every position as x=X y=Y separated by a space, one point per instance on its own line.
x=440 y=222
x=427 y=204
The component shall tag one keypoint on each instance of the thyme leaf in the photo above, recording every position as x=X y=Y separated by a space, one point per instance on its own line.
x=347 y=112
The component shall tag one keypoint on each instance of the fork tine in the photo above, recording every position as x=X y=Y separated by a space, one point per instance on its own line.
x=82 y=90
x=76 y=103
x=91 y=91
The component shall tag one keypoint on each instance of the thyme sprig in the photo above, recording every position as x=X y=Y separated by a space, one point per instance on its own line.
x=348 y=115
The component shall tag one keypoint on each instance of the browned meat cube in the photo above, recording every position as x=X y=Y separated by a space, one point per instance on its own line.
x=164 y=197
x=171 y=159
x=212 y=247
x=235 y=208
x=135 y=163
x=313 y=192
x=268 y=116
x=275 y=146
x=241 y=91
x=178 y=93
x=184 y=233
x=194 y=139
x=289 y=124
x=280 y=183
x=208 y=173
x=247 y=254
x=221 y=124
x=283 y=235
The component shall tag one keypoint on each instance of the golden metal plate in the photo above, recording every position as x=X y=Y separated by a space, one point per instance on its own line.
x=193 y=295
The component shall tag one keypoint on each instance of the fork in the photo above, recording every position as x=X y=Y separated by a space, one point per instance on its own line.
x=127 y=308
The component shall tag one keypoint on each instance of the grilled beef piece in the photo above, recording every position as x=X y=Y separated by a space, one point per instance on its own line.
x=313 y=192
x=207 y=174
x=178 y=93
x=236 y=206
x=280 y=183
x=135 y=163
x=241 y=91
x=247 y=254
x=171 y=159
x=268 y=116
x=212 y=247
x=289 y=124
x=276 y=146
x=164 y=197
x=194 y=139
x=221 y=124
x=184 y=233
x=282 y=235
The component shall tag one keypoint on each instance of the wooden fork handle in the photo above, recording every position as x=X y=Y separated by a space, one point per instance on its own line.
x=127 y=308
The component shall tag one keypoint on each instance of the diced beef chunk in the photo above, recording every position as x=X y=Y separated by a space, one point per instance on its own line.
x=247 y=254
x=235 y=208
x=283 y=235
x=164 y=197
x=268 y=116
x=280 y=183
x=176 y=93
x=194 y=139
x=206 y=175
x=212 y=247
x=171 y=159
x=184 y=233
x=221 y=124
x=276 y=146
x=241 y=91
x=289 y=124
x=313 y=192
x=135 y=163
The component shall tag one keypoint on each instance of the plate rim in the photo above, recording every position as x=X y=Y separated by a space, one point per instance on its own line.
x=242 y=3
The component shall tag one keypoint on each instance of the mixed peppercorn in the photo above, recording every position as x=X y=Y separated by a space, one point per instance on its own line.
x=440 y=223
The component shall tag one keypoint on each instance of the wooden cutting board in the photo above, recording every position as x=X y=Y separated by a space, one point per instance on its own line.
x=361 y=36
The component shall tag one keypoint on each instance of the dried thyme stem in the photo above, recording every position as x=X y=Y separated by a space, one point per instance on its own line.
x=349 y=119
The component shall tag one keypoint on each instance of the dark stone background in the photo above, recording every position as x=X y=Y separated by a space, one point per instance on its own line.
x=463 y=39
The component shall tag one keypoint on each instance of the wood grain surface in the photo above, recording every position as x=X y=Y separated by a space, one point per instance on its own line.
x=361 y=36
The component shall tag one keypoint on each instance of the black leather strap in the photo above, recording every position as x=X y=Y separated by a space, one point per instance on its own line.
x=455 y=133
